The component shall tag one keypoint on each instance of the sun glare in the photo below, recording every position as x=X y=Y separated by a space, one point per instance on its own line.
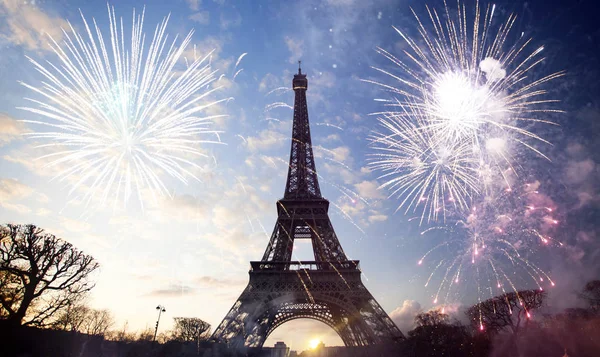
x=314 y=343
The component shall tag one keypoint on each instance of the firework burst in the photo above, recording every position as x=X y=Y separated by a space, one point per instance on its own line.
x=493 y=244
x=123 y=115
x=463 y=88
x=420 y=169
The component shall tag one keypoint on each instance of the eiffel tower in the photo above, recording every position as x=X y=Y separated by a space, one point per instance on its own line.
x=328 y=289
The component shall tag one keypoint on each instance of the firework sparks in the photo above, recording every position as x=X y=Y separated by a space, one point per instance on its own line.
x=122 y=119
x=494 y=241
x=423 y=171
x=465 y=93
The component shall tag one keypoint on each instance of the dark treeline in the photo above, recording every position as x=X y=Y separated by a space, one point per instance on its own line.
x=44 y=287
x=505 y=326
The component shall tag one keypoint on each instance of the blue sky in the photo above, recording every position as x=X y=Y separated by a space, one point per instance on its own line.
x=191 y=252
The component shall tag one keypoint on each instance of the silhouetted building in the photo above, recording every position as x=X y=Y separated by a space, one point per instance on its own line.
x=280 y=350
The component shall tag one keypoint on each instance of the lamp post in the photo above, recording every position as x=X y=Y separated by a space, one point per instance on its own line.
x=160 y=309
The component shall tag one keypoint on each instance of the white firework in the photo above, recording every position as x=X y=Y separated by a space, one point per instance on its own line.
x=468 y=87
x=123 y=114
x=419 y=169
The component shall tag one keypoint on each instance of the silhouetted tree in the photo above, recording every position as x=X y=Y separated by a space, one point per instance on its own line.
x=71 y=318
x=11 y=292
x=432 y=318
x=576 y=330
x=435 y=335
x=591 y=294
x=44 y=273
x=506 y=311
x=81 y=318
x=122 y=335
x=188 y=329
x=146 y=335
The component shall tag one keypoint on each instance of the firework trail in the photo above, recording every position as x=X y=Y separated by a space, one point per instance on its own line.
x=493 y=244
x=463 y=91
x=123 y=114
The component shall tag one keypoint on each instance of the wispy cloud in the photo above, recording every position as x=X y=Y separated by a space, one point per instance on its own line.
x=214 y=282
x=173 y=290
x=26 y=25
x=265 y=140
x=194 y=5
x=368 y=190
x=10 y=129
x=230 y=18
x=200 y=17
x=296 y=48
x=13 y=191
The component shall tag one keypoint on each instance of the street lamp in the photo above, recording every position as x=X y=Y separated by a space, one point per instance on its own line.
x=160 y=309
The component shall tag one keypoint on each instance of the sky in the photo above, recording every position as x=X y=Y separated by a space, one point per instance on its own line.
x=190 y=252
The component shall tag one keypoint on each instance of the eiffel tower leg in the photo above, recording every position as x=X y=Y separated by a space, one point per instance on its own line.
x=268 y=302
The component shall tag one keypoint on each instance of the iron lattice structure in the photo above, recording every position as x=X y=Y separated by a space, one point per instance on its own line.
x=328 y=289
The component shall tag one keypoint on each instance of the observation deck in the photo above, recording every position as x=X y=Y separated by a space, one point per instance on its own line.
x=313 y=266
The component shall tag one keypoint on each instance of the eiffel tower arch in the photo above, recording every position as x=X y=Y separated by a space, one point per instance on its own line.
x=328 y=289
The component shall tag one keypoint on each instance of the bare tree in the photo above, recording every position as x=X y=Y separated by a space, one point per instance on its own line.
x=188 y=329
x=146 y=335
x=122 y=335
x=591 y=294
x=11 y=292
x=98 y=322
x=506 y=311
x=81 y=318
x=71 y=318
x=432 y=318
x=437 y=335
x=51 y=273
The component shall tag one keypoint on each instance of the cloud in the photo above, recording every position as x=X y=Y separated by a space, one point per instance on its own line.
x=347 y=176
x=322 y=81
x=341 y=153
x=172 y=290
x=268 y=82
x=181 y=208
x=230 y=18
x=204 y=47
x=368 y=190
x=333 y=137
x=320 y=89
x=29 y=155
x=74 y=225
x=12 y=190
x=10 y=129
x=212 y=282
x=351 y=207
x=404 y=316
x=296 y=48
x=340 y=2
x=201 y=17
x=577 y=172
x=43 y=212
x=194 y=5
x=377 y=218
x=27 y=25
x=17 y=207
x=265 y=140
